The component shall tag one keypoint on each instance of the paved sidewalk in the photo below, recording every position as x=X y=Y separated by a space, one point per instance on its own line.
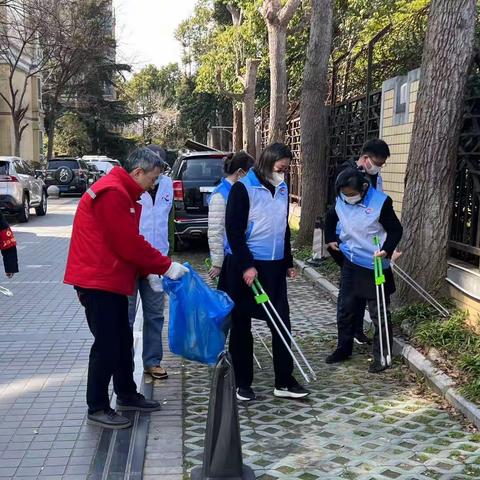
x=44 y=346
x=355 y=425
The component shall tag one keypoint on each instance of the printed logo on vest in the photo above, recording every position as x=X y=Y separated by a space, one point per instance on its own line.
x=368 y=211
x=166 y=197
x=282 y=190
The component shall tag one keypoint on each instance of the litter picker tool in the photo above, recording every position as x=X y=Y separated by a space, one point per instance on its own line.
x=420 y=290
x=381 y=305
x=208 y=264
x=263 y=299
x=6 y=291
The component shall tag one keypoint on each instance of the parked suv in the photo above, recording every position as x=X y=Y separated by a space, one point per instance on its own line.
x=194 y=176
x=69 y=174
x=21 y=189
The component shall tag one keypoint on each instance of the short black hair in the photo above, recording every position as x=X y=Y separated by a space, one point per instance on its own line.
x=377 y=148
x=235 y=161
x=350 y=177
x=272 y=154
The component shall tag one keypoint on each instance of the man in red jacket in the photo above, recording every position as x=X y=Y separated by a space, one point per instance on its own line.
x=106 y=256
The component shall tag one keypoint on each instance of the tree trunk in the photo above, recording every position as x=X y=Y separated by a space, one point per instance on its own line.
x=430 y=176
x=249 y=144
x=237 y=133
x=277 y=45
x=52 y=114
x=314 y=120
x=277 y=18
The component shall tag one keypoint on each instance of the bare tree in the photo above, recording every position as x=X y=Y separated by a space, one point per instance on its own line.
x=277 y=18
x=427 y=205
x=20 y=28
x=80 y=38
x=314 y=119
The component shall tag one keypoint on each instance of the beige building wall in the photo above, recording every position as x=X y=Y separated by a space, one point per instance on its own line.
x=396 y=129
x=31 y=146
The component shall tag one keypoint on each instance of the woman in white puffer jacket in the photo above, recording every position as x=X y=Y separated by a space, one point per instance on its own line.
x=236 y=166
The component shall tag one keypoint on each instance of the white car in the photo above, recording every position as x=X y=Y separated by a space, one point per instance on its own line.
x=102 y=162
x=20 y=189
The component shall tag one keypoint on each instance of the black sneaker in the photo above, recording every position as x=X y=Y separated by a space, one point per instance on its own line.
x=137 y=402
x=245 y=394
x=377 y=367
x=294 y=391
x=362 y=339
x=108 y=418
x=337 y=356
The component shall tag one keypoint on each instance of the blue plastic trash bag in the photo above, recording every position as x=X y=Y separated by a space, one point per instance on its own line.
x=197 y=317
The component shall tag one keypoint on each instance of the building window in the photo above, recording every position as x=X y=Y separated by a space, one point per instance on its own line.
x=401 y=98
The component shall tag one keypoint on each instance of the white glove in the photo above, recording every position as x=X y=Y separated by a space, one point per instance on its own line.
x=155 y=283
x=176 y=271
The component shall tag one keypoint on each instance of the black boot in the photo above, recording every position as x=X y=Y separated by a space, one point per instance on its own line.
x=108 y=418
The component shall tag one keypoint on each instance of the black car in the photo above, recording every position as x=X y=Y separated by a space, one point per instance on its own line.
x=70 y=175
x=194 y=176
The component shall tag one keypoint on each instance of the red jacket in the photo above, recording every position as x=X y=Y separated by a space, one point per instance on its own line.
x=106 y=250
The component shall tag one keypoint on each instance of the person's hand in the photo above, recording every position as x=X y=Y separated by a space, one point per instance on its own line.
x=333 y=246
x=214 y=272
x=176 y=271
x=292 y=273
x=10 y=275
x=381 y=253
x=396 y=255
x=250 y=275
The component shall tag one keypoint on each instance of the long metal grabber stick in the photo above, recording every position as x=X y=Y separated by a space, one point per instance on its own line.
x=255 y=331
x=380 y=290
x=208 y=264
x=287 y=331
x=262 y=299
x=6 y=291
x=420 y=290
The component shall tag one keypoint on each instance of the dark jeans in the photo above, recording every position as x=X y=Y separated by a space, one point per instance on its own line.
x=348 y=308
x=241 y=349
x=111 y=352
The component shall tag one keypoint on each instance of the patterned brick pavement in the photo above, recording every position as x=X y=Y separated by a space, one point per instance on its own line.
x=354 y=426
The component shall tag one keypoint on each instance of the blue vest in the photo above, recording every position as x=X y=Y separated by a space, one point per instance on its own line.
x=223 y=188
x=267 y=219
x=359 y=224
x=379 y=187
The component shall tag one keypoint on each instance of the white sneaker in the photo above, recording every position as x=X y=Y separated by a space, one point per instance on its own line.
x=295 y=391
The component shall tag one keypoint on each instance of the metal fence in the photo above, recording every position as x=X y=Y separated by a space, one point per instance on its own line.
x=465 y=231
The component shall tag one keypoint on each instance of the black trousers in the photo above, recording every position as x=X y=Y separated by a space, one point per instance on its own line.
x=111 y=352
x=241 y=350
x=348 y=308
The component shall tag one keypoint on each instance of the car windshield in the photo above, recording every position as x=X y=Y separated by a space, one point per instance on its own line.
x=54 y=164
x=203 y=169
x=4 y=168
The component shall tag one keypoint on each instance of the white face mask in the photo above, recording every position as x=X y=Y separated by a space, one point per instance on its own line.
x=372 y=169
x=277 y=178
x=351 y=200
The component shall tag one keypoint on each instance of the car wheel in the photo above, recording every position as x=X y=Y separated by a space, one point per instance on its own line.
x=177 y=244
x=41 y=210
x=24 y=214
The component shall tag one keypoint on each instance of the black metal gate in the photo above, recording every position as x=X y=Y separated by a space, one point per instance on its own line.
x=465 y=231
x=352 y=123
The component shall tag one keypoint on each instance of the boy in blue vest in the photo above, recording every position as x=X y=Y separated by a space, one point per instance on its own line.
x=363 y=213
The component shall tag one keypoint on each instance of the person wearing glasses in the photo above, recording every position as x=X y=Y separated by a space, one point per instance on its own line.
x=258 y=235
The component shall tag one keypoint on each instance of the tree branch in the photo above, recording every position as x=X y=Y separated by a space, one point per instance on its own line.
x=288 y=11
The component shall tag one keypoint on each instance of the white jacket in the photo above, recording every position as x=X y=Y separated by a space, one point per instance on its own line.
x=154 y=218
x=216 y=228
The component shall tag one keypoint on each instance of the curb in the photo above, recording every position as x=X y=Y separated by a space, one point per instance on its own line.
x=438 y=381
